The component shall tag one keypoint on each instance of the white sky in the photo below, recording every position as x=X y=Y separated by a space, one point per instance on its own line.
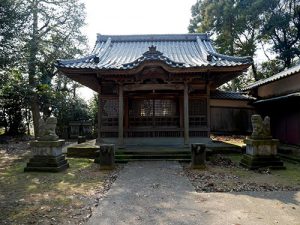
x=135 y=17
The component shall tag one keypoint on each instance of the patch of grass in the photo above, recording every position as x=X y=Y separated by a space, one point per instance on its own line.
x=48 y=195
x=291 y=175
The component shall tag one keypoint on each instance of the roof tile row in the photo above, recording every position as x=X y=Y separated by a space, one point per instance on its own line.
x=178 y=51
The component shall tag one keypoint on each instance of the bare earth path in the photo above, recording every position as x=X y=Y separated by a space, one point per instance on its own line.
x=160 y=193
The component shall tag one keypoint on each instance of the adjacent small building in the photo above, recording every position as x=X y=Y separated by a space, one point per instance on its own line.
x=161 y=88
x=279 y=97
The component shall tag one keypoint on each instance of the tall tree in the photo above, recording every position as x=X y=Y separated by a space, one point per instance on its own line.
x=281 y=28
x=13 y=102
x=234 y=25
x=53 y=31
x=10 y=25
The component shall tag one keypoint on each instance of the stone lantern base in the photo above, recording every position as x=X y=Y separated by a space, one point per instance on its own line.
x=261 y=153
x=47 y=157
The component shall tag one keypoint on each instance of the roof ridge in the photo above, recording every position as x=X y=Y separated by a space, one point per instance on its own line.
x=78 y=60
x=231 y=58
x=154 y=37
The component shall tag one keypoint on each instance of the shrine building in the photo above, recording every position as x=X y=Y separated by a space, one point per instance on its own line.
x=161 y=88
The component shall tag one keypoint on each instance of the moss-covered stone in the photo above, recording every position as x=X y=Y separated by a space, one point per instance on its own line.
x=255 y=162
x=83 y=151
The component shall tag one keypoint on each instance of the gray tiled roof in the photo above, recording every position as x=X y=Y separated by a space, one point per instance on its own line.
x=230 y=95
x=278 y=76
x=279 y=98
x=176 y=50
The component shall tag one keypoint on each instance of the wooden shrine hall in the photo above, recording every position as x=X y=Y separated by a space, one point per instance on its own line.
x=155 y=87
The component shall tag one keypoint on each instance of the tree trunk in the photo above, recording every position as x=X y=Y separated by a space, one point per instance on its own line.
x=233 y=85
x=254 y=70
x=234 y=81
x=288 y=62
x=33 y=49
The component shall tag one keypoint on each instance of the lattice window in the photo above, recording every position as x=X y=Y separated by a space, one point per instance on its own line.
x=154 y=113
x=110 y=107
x=197 y=112
x=143 y=108
x=165 y=107
x=109 y=112
x=197 y=107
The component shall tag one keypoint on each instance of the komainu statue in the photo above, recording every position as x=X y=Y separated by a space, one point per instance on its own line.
x=261 y=128
x=47 y=129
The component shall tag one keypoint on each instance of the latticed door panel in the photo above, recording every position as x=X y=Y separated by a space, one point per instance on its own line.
x=141 y=113
x=153 y=113
x=198 y=112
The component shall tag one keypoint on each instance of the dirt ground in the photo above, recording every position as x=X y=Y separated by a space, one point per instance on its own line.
x=48 y=198
x=234 y=139
x=223 y=174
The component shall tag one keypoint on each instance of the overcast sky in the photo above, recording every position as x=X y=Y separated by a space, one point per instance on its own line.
x=135 y=17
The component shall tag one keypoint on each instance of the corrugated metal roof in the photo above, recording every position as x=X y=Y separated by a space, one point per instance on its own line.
x=278 y=76
x=230 y=95
x=176 y=50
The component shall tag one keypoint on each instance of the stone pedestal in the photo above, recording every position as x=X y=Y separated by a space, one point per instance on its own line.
x=261 y=153
x=47 y=157
x=106 y=157
x=198 y=151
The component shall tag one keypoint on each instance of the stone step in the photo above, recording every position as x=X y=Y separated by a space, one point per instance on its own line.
x=151 y=156
x=153 y=152
x=146 y=159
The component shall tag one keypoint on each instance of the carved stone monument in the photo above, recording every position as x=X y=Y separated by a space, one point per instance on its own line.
x=261 y=149
x=47 y=149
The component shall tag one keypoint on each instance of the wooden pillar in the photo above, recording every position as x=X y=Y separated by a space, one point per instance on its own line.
x=208 y=108
x=186 y=114
x=99 y=139
x=181 y=112
x=121 y=116
x=126 y=115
